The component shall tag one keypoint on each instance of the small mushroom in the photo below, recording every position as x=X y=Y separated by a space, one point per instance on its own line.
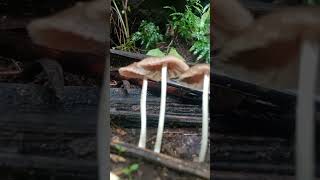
x=198 y=77
x=80 y=28
x=133 y=71
x=267 y=51
x=273 y=40
x=159 y=70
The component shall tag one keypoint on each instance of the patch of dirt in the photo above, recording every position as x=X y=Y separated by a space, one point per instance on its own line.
x=182 y=143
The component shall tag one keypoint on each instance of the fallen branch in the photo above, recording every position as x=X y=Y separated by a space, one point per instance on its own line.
x=192 y=168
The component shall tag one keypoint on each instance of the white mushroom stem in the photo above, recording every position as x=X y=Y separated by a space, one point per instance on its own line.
x=143 y=112
x=205 y=119
x=157 y=146
x=305 y=159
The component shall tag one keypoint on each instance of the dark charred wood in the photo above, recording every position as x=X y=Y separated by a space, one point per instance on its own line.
x=232 y=175
x=47 y=166
x=125 y=109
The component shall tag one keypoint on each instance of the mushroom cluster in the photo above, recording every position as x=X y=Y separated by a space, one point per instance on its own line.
x=162 y=69
x=156 y=69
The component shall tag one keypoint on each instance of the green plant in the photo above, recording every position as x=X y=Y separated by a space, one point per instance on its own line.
x=120 y=149
x=312 y=2
x=119 y=21
x=193 y=25
x=201 y=46
x=148 y=35
x=158 y=53
x=128 y=171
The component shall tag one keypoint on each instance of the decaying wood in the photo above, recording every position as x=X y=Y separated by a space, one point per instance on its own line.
x=20 y=165
x=125 y=109
x=20 y=103
x=53 y=163
x=33 y=122
x=192 y=168
x=37 y=105
x=226 y=175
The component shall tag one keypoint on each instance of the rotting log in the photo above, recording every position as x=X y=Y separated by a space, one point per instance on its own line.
x=36 y=105
x=39 y=133
x=125 y=109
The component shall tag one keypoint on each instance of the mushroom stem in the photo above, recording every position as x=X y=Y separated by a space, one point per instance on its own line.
x=143 y=112
x=205 y=121
x=305 y=139
x=157 y=146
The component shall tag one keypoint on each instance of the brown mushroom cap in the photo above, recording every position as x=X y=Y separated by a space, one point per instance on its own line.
x=77 y=29
x=193 y=78
x=132 y=71
x=229 y=19
x=230 y=15
x=154 y=65
x=273 y=40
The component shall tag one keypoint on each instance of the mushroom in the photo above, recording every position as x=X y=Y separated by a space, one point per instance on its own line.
x=80 y=28
x=229 y=19
x=159 y=70
x=267 y=51
x=133 y=71
x=198 y=77
x=113 y=176
x=277 y=42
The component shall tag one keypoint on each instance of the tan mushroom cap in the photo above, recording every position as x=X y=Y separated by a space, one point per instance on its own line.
x=230 y=17
x=132 y=71
x=193 y=78
x=154 y=65
x=273 y=40
x=80 y=28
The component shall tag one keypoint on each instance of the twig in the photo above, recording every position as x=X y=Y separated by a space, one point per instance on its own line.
x=11 y=72
x=192 y=168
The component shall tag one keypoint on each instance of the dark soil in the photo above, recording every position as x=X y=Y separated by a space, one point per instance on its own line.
x=183 y=143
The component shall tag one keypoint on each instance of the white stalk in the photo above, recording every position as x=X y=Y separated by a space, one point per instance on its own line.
x=143 y=112
x=157 y=146
x=305 y=124
x=205 y=119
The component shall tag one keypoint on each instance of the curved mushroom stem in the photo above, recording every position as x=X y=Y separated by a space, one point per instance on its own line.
x=143 y=112
x=157 y=146
x=205 y=121
x=305 y=124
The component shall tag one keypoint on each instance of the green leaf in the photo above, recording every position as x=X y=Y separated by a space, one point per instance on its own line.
x=131 y=169
x=174 y=52
x=134 y=167
x=155 y=52
x=126 y=171
x=120 y=149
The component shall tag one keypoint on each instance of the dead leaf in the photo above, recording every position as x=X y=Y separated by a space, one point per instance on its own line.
x=117 y=159
x=121 y=132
